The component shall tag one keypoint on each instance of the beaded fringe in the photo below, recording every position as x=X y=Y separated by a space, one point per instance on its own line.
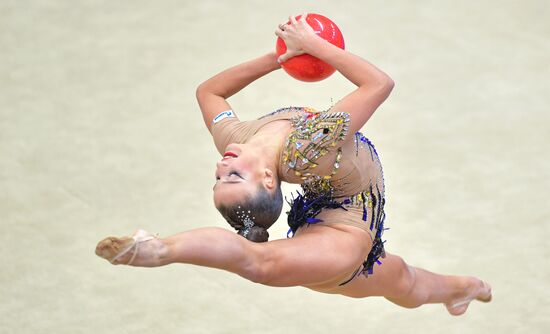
x=305 y=207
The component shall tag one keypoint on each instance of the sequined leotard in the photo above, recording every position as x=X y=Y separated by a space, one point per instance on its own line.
x=340 y=173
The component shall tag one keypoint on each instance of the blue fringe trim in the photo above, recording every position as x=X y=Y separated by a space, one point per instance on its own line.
x=305 y=207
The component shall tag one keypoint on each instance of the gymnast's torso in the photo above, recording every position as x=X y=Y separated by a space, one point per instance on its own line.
x=325 y=159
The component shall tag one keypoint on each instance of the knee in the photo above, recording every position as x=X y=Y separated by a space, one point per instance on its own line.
x=268 y=268
x=259 y=273
x=259 y=269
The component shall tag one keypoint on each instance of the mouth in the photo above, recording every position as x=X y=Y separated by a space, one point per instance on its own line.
x=229 y=155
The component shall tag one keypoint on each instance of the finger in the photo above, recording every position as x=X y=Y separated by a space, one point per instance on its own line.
x=304 y=17
x=292 y=19
x=288 y=55
x=284 y=57
x=279 y=32
x=282 y=26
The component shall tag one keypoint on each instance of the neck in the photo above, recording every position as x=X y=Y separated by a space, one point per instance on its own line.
x=269 y=144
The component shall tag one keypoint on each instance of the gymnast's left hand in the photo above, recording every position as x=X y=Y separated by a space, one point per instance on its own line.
x=297 y=34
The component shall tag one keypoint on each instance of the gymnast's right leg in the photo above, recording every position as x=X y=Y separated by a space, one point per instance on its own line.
x=210 y=247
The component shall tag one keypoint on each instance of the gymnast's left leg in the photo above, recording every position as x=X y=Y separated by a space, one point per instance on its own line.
x=317 y=256
x=411 y=287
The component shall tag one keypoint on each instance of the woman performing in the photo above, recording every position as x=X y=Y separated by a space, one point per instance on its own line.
x=337 y=220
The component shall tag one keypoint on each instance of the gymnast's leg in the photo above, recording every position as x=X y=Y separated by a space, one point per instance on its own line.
x=411 y=287
x=211 y=247
x=318 y=255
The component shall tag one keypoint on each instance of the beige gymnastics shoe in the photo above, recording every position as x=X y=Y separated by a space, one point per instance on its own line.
x=482 y=294
x=115 y=249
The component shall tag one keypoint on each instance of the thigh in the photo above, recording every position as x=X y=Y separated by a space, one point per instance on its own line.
x=316 y=256
x=388 y=279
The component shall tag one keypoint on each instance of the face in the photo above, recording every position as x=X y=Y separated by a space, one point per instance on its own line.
x=238 y=174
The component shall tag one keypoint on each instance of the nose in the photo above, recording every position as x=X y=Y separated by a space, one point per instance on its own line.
x=221 y=164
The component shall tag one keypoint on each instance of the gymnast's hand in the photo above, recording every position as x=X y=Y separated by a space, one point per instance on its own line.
x=298 y=35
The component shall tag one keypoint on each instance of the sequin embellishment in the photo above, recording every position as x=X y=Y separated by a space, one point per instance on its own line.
x=315 y=134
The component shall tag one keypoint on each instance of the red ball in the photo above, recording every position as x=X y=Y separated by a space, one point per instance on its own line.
x=306 y=67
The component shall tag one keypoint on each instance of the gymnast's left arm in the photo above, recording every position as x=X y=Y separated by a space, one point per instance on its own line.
x=212 y=94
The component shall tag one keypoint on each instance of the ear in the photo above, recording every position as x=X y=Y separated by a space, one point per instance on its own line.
x=269 y=180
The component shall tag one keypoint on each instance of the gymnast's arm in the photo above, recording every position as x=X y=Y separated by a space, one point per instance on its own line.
x=213 y=93
x=373 y=85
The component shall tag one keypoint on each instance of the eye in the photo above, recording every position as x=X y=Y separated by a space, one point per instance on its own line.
x=234 y=173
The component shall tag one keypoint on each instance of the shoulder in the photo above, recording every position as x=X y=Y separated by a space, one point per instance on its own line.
x=225 y=129
x=223 y=123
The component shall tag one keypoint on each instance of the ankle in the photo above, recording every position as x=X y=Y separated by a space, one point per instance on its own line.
x=161 y=252
x=151 y=253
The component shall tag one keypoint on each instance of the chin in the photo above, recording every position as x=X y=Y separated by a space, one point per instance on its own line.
x=223 y=199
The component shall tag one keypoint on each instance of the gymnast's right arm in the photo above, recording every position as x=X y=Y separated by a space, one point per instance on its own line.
x=212 y=94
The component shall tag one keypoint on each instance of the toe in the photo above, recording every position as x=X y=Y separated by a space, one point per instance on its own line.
x=487 y=295
x=103 y=247
x=109 y=247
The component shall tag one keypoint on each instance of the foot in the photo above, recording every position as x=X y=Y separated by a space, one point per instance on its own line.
x=475 y=289
x=128 y=250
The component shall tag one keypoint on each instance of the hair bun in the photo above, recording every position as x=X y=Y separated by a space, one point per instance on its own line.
x=256 y=234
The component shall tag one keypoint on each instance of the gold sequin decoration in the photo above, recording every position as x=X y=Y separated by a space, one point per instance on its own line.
x=315 y=134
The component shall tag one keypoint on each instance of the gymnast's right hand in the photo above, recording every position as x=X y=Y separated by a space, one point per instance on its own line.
x=298 y=35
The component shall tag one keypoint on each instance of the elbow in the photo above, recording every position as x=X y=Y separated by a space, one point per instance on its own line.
x=390 y=84
x=204 y=92
x=384 y=85
x=208 y=88
x=381 y=83
x=387 y=84
x=201 y=91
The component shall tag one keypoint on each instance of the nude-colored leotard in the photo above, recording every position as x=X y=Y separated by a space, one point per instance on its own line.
x=347 y=161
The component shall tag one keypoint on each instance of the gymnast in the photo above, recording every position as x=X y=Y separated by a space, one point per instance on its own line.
x=336 y=221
